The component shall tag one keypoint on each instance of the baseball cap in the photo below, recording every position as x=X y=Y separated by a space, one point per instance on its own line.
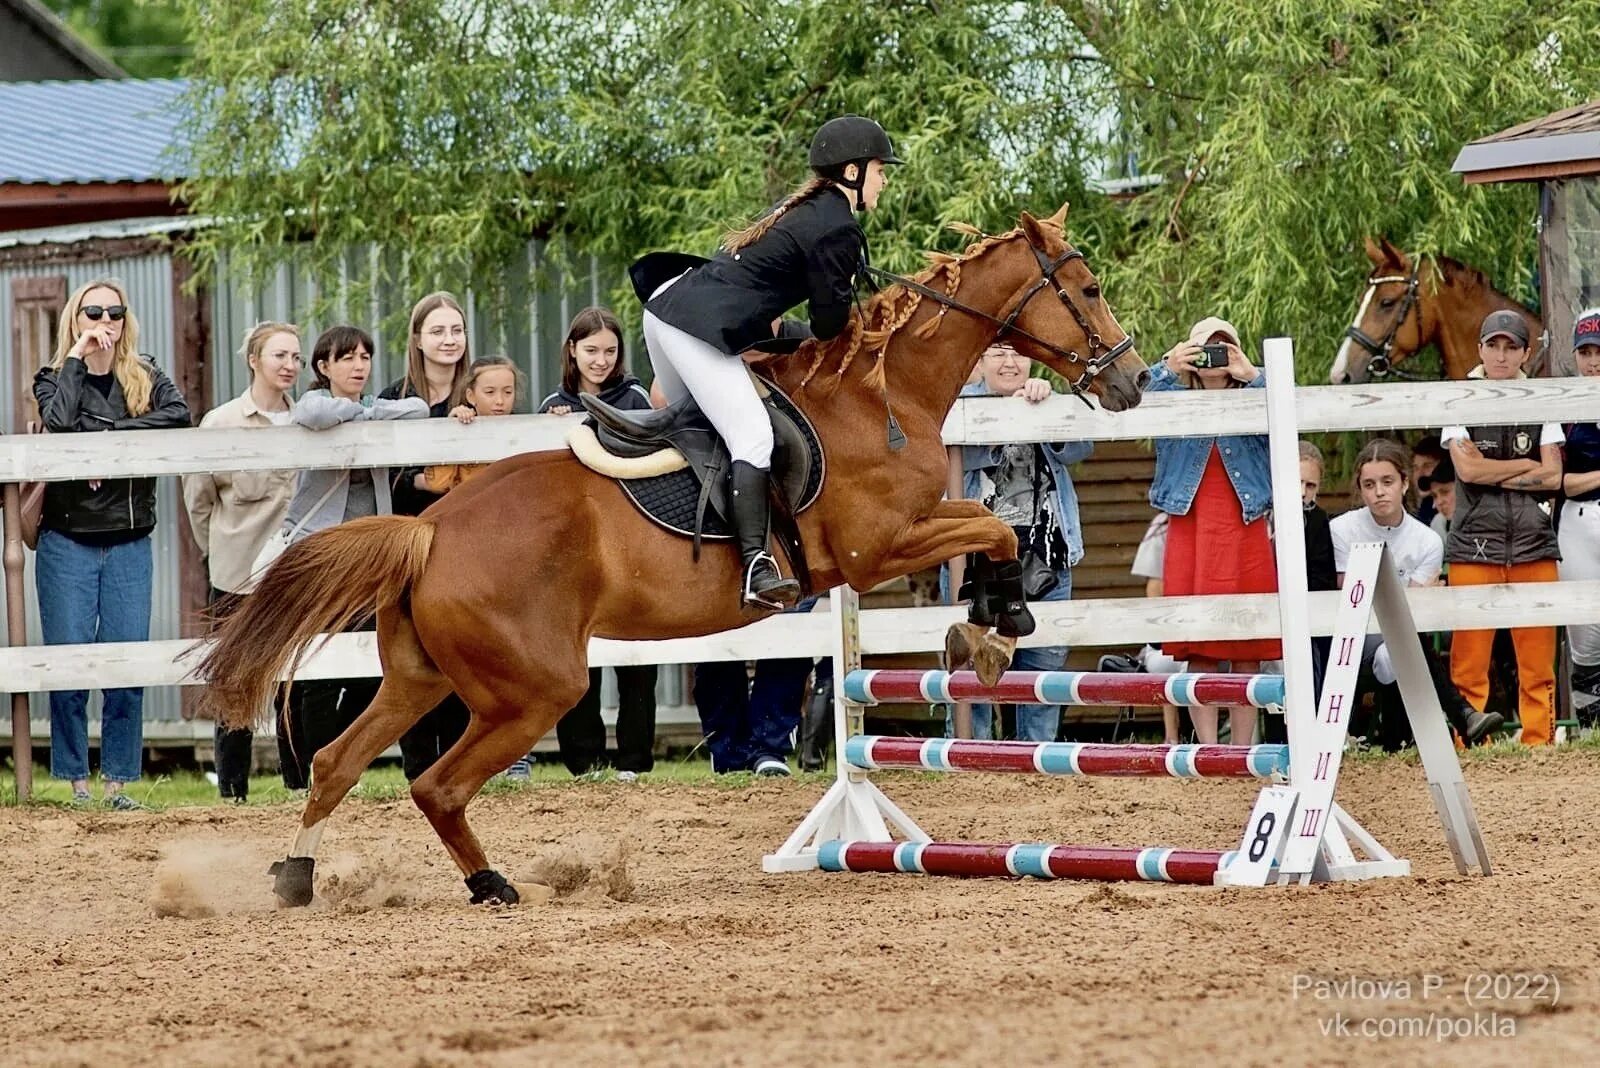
x=1201 y=332
x=1586 y=330
x=1507 y=322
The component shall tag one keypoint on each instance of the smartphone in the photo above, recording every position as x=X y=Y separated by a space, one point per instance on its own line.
x=1211 y=357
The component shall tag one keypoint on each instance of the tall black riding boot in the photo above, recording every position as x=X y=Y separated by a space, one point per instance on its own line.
x=764 y=585
x=816 y=727
x=1465 y=720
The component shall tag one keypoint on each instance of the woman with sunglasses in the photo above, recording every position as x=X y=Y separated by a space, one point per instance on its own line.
x=93 y=568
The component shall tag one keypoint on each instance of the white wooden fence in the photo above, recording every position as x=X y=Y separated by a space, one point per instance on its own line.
x=973 y=421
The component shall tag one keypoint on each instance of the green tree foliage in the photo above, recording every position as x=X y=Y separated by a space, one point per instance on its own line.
x=454 y=130
x=1286 y=132
x=146 y=38
x=1283 y=133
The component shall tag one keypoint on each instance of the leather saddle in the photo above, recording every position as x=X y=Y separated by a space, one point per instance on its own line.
x=694 y=501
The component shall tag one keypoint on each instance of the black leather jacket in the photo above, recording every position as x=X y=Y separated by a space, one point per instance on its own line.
x=810 y=254
x=69 y=405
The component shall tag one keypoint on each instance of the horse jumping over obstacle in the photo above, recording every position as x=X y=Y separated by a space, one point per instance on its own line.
x=495 y=591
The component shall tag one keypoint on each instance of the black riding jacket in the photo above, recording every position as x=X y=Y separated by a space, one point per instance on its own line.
x=810 y=254
x=68 y=404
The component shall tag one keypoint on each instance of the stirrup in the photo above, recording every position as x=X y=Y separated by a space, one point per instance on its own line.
x=773 y=596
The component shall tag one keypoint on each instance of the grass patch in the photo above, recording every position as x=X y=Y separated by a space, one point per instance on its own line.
x=386 y=782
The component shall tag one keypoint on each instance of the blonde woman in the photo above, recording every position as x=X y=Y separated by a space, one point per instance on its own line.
x=233 y=513
x=93 y=567
x=438 y=358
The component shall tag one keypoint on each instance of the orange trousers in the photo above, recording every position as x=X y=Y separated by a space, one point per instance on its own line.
x=1536 y=652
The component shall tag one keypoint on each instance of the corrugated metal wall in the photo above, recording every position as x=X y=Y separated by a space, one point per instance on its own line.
x=541 y=299
x=531 y=335
x=149 y=283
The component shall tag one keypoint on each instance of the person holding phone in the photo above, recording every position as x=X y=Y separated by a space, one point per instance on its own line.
x=94 y=565
x=1218 y=491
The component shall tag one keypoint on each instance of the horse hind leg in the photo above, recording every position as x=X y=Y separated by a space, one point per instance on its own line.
x=411 y=686
x=501 y=730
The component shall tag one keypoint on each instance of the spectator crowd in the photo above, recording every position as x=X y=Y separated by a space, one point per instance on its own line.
x=1469 y=506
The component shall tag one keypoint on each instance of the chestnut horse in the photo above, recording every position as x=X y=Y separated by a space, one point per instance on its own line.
x=1411 y=302
x=495 y=591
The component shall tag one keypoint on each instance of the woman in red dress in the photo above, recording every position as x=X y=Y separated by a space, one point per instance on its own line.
x=1218 y=491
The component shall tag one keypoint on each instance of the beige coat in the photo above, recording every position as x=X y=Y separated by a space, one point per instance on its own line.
x=233 y=513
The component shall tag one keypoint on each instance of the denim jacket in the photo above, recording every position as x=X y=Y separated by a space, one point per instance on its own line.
x=1180 y=462
x=1058 y=455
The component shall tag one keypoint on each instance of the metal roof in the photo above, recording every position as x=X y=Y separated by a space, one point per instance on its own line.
x=153 y=226
x=79 y=132
x=1564 y=139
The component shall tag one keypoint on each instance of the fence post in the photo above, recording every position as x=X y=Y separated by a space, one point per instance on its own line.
x=1289 y=534
x=14 y=558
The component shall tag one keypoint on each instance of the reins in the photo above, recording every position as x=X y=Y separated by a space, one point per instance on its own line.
x=1101 y=355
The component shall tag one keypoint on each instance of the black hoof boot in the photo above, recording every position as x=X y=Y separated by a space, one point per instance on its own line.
x=1012 y=619
x=489 y=887
x=292 y=882
x=977 y=591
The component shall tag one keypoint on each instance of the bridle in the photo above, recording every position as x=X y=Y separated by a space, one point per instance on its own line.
x=1381 y=363
x=1101 y=355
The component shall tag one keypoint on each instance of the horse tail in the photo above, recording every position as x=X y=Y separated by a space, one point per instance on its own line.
x=322 y=585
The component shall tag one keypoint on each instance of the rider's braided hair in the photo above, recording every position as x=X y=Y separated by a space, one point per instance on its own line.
x=735 y=240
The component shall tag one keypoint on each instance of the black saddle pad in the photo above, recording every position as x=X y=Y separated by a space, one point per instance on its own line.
x=669 y=500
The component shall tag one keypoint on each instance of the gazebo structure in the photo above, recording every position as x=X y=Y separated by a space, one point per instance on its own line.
x=1561 y=152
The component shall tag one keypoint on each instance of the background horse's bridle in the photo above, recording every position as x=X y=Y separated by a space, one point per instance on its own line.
x=1101 y=355
x=1381 y=364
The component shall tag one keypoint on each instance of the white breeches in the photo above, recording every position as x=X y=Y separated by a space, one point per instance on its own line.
x=1580 y=559
x=686 y=366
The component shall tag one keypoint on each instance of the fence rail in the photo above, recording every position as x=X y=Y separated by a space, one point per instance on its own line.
x=976 y=421
x=1119 y=622
x=973 y=421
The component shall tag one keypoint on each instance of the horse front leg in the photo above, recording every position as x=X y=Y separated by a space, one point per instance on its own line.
x=997 y=601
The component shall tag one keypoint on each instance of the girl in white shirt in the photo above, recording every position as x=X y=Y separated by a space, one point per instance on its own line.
x=1417 y=554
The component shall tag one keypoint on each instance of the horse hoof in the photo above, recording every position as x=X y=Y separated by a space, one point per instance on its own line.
x=489 y=887
x=958 y=644
x=993 y=657
x=292 y=881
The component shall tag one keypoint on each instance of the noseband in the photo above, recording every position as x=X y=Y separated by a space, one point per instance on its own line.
x=1101 y=355
x=1381 y=363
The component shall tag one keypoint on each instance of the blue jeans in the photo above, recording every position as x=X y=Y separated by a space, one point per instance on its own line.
x=745 y=722
x=1035 y=723
x=91 y=594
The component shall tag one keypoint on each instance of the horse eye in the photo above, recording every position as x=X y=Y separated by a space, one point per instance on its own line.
x=1091 y=292
x=1387 y=303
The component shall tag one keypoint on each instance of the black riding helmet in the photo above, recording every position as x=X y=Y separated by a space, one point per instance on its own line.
x=850 y=139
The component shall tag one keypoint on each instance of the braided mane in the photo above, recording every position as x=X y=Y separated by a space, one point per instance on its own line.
x=891 y=309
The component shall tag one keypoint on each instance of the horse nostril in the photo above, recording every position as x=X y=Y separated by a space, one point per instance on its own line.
x=1142 y=380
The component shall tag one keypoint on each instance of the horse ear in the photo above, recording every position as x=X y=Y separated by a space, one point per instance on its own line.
x=1059 y=219
x=1396 y=257
x=1374 y=253
x=1036 y=231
